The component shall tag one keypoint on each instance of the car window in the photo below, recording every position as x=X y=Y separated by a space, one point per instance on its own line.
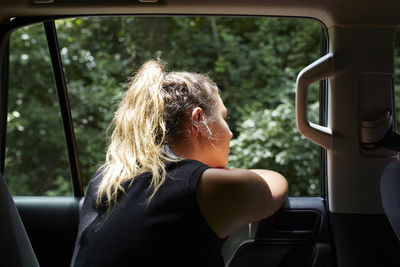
x=254 y=61
x=36 y=158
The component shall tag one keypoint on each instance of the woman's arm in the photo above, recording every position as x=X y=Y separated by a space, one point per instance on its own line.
x=231 y=198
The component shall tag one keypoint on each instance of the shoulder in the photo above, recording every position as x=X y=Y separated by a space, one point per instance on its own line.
x=186 y=164
x=187 y=170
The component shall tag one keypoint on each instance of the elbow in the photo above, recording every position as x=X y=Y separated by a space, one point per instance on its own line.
x=281 y=198
x=268 y=194
x=283 y=191
x=279 y=194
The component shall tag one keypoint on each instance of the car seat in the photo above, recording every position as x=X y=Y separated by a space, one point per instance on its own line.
x=15 y=247
x=390 y=186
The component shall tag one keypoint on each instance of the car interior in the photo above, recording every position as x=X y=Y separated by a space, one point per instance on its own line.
x=353 y=221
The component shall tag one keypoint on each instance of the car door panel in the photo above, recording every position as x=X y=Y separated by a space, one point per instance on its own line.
x=297 y=235
x=51 y=224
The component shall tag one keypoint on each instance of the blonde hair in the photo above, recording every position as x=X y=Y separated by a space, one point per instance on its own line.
x=153 y=112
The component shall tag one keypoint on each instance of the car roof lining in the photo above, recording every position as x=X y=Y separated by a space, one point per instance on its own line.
x=331 y=13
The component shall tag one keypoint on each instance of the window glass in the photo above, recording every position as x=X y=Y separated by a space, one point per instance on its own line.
x=36 y=158
x=254 y=61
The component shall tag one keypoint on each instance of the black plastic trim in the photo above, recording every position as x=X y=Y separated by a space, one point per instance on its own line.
x=323 y=115
x=24 y=21
x=54 y=50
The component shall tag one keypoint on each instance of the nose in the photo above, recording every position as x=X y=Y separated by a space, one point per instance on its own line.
x=230 y=134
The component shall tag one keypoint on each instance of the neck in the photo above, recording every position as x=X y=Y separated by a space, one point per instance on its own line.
x=188 y=150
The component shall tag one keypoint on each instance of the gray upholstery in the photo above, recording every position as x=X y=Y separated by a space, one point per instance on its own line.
x=390 y=194
x=15 y=248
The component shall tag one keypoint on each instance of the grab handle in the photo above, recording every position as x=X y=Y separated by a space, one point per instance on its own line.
x=316 y=71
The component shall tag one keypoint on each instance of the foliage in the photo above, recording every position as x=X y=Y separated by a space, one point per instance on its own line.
x=36 y=155
x=253 y=60
x=269 y=139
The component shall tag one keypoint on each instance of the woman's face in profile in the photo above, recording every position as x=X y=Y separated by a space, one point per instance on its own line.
x=218 y=147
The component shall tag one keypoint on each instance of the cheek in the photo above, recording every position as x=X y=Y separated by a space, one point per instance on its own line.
x=224 y=139
x=221 y=133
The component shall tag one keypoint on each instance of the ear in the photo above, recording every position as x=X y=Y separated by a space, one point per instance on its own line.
x=196 y=116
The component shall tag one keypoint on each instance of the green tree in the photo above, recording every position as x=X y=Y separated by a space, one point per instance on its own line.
x=36 y=159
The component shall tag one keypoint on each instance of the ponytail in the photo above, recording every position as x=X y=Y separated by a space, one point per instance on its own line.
x=138 y=136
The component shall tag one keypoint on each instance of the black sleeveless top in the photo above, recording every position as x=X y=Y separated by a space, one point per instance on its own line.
x=169 y=231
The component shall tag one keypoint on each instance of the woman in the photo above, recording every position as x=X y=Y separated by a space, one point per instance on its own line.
x=164 y=195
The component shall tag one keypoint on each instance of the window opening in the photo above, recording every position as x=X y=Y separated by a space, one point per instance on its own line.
x=254 y=61
x=36 y=162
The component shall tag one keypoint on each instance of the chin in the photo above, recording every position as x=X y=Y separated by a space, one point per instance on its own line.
x=219 y=165
x=224 y=164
